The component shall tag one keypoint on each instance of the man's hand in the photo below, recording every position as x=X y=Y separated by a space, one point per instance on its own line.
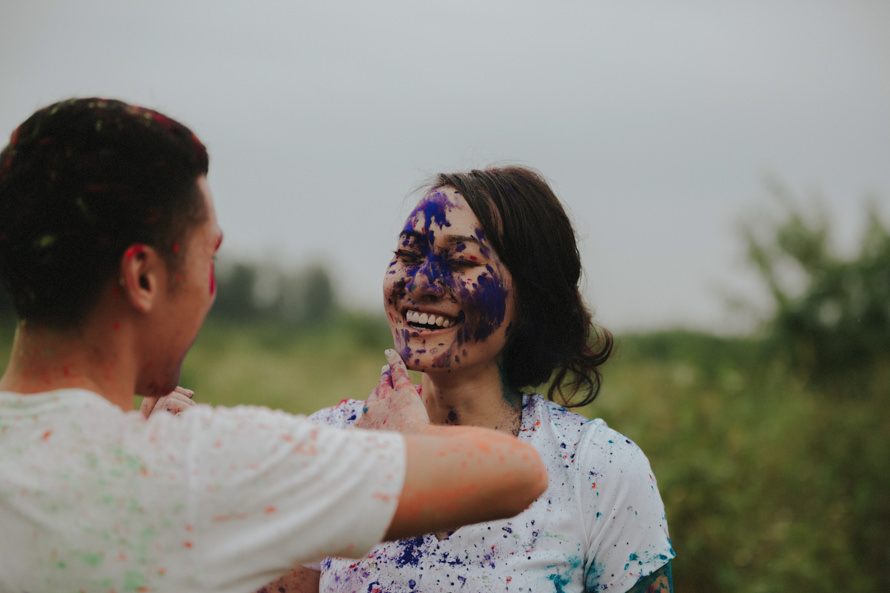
x=395 y=404
x=174 y=402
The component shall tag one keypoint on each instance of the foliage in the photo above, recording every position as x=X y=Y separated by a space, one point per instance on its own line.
x=767 y=488
x=250 y=291
x=262 y=292
x=831 y=314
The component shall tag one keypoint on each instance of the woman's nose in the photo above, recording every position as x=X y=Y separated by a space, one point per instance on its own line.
x=429 y=278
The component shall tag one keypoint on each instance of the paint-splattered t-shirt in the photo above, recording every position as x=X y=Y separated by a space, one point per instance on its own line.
x=95 y=499
x=600 y=526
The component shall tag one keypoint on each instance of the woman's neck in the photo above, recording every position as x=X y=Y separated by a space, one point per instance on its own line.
x=472 y=399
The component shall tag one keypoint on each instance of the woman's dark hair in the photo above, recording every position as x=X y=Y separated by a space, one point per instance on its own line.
x=553 y=338
x=80 y=181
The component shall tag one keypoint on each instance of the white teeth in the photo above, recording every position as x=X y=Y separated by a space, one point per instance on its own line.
x=427 y=319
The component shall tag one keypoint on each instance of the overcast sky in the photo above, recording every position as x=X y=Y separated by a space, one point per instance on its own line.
x=657 y=123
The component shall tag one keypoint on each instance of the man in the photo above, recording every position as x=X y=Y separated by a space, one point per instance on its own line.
x=107 y=239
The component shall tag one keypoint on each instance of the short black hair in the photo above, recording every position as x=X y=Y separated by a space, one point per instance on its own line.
x=554 y=338
x=80 y=181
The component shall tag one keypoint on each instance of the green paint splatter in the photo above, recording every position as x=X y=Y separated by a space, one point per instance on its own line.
x=45 y=241
x=134 y=581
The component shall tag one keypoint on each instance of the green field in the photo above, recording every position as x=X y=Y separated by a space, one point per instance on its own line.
x=769 y=486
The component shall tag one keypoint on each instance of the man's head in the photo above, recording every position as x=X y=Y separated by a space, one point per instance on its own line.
x=81 y=182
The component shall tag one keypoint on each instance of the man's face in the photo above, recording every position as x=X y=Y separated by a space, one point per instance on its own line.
x=184 y=303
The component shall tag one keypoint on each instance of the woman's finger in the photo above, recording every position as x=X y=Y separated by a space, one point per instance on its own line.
x=384 y=384
x=186 y=392
x=400 y=377
x=148 y=404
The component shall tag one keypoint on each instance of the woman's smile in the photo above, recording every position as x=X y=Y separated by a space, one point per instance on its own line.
x=428 y=321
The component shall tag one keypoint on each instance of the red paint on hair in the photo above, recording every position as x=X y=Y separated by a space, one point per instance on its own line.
x=134 y=250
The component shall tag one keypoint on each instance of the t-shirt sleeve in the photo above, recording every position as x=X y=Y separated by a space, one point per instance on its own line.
x=270 y=489
x=627 y=527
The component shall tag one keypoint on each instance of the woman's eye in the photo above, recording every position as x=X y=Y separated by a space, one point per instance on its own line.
x=462 y=263
x=408 y=256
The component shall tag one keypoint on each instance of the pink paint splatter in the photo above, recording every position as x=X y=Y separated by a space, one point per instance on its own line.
x=134 y=250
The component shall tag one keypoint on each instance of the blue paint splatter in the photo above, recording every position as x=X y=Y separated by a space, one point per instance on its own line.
x=594 y=575
x=559 y=582
x=411 y=552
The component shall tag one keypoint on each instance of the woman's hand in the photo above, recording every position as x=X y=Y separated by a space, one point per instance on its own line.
x=395 y=404
x=174 y=402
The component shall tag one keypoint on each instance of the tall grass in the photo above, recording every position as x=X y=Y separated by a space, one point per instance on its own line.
x=768 y=484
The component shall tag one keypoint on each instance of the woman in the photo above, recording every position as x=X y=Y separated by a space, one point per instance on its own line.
x=482 y=297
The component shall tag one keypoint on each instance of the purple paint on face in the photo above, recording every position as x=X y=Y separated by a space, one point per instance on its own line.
x=487 y=307
x=433 y=209
x=445 y=265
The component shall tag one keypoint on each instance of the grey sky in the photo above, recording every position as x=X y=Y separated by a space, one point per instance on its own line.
x=657 y=123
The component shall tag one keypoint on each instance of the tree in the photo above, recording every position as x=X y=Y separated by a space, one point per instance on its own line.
x=831 y=317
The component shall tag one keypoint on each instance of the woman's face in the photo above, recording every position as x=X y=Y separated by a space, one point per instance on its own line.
x=448 y=297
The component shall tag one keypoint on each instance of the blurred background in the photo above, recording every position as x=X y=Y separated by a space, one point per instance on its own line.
x=726 y=168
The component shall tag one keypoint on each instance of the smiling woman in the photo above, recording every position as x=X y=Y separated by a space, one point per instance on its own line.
x=482 y=297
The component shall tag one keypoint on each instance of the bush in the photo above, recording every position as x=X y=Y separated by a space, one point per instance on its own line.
x=831 y=314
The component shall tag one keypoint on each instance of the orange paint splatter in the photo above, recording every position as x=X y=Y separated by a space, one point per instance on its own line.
x=46 y=435
x=271 y=510
x=229 y=517
x=187 y=544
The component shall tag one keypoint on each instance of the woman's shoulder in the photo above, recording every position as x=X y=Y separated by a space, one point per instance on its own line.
x=344 y=414
x=573 y=432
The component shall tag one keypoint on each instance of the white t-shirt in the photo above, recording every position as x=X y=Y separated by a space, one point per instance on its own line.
x=95 y=499
x=600 y=526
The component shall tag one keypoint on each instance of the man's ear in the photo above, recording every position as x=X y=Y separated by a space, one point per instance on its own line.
x=142 y=276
